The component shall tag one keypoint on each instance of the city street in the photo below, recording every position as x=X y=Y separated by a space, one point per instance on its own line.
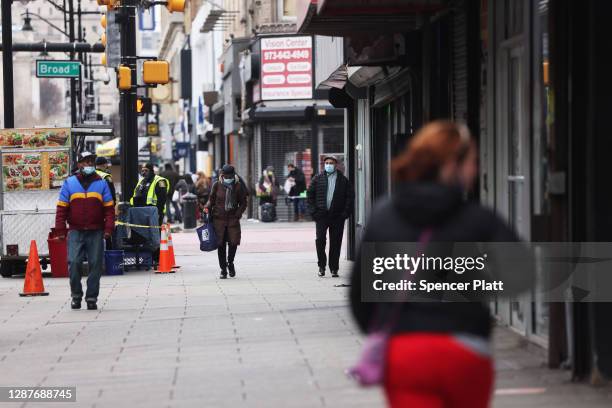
x=275 y=336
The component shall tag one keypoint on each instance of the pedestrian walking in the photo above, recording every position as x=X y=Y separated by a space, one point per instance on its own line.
x=86 y=205
x=228 y=201
x=297 y=183
x=330 y=201
x=202 y=188
x=173 y=177
x=267 y=187
x=438 y=354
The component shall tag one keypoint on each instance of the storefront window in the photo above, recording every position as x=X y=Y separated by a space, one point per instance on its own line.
x=288 y=9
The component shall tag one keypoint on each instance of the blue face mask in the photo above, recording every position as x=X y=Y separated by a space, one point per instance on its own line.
x=88 y=170
x=228 y=181
x=330 y=168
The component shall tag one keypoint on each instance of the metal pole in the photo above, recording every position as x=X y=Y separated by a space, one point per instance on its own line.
x=128 y=118
x=7 y=64
x=73 y=107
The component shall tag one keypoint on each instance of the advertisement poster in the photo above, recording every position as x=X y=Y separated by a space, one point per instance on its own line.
x=35 y=138
x=36 y=170
x=286 y=68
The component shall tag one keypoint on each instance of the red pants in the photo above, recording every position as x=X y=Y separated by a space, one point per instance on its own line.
x=435 y=371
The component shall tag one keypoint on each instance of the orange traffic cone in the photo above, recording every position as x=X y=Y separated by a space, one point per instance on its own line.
x=33 y=284
x=165 y=263
x=171 y=248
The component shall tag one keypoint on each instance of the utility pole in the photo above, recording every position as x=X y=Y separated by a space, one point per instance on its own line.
x=73 y=107
x=127 y=103
x=7 y=64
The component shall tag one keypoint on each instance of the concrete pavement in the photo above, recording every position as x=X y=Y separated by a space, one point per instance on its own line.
x=276 y=336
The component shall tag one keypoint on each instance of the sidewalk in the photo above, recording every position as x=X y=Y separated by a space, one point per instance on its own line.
x=276 y=336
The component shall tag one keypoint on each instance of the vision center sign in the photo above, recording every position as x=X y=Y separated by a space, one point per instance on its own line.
x=286 y=68
x=57 y=69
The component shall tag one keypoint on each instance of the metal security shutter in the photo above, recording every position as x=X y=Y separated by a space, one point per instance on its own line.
x=460 y=62
x=283 y=143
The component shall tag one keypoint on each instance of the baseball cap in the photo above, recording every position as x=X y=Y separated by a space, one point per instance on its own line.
x=85 y=155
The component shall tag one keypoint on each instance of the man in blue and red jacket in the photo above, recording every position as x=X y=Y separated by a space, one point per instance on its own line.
x=86 y=204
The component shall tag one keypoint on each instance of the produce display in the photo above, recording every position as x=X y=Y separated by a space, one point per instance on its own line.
x=35 y=138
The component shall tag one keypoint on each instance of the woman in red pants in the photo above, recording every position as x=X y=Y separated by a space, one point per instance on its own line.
x=438 y=353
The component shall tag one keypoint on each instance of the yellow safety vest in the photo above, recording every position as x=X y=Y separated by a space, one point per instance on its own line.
x=104 y=175
x=151 y=196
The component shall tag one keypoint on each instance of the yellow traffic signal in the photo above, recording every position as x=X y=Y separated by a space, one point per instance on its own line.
x=103 y=39
x=156 y=72
x=175 y=5
x=139 y=105
x=103 y=59
x=103 y=20
x=124 y=78
x=103 y=2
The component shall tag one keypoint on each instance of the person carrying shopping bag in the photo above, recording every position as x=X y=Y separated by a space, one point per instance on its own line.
x=227 y=202
x=430 y=354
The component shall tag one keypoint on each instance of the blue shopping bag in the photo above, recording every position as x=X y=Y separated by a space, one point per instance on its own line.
x=207 y=236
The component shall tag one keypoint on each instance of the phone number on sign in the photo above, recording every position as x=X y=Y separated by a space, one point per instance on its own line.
x=286 y=55
x=8 y=394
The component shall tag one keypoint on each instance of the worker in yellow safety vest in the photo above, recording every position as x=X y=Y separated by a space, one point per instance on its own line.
x=151 y=190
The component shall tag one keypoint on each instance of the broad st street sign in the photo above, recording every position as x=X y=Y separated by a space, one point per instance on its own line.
x=57 y=69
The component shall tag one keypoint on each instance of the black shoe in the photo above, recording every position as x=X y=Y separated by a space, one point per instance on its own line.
x=92 y=305
x=321 y=272
x=334 y=274
x=232 y=270
x=76 y=303
x=223 y=274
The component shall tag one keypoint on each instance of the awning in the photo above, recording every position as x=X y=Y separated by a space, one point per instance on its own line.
x=343 y=17
x=337 y=79
x=110 y=148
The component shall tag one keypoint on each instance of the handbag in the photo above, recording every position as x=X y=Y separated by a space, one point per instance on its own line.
x=207 y=236
x=370 y=369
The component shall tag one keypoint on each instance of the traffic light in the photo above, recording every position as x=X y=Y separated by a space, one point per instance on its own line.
x=143 y=105
x=103 y=21
x=124 y=78
x=103 y=39
x=103 y=59
x=156 y=72
x=175 y=6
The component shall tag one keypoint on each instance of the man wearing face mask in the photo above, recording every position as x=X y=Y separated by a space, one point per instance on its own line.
x=86 y=204
x=330 y=202
x=227 y=202
x=151 y=190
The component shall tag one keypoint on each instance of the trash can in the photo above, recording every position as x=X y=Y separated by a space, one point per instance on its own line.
x=113 y=261
x=190 y=204
x=58 y=254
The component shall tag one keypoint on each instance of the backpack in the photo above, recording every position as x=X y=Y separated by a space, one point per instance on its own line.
x=268 y=212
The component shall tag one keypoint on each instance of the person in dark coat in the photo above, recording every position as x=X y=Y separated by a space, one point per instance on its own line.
x=227 y=202
x=438 y=353
x=299 y=186
x=330 y=201
x=173 y=177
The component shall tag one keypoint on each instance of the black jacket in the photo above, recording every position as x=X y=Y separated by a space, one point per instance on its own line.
x=300 y=182
x=402 y=218
x=342 y=202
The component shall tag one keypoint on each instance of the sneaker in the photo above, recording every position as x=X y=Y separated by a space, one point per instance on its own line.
x=223 y=274
x=92 y=305
x=232 y=270
x=334 y=274
x=76 y=303
x=321 y=272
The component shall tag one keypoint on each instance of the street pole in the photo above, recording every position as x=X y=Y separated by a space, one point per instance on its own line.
x=7 y=64
x=73 y=107
x=127 y=103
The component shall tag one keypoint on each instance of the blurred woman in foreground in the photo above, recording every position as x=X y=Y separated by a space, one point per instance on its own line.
x=438 y=354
